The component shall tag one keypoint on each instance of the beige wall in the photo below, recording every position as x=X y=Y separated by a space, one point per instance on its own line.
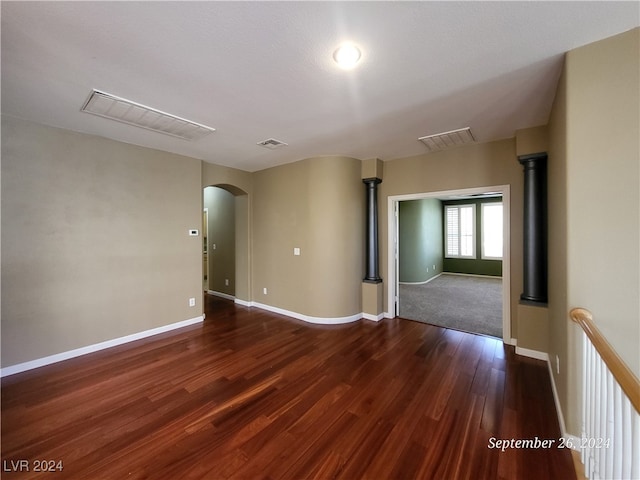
x=595 y=222
x=220 y=205
x=238 y=182
x=557 y=241
x=477 y=165
x=532 y=140
x=95 y=240
x=603 y=163
x=316 y=205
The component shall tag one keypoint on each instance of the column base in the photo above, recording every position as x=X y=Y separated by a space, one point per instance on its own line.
x=373 y=300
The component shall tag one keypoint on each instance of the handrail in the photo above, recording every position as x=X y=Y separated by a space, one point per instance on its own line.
x=621 y=372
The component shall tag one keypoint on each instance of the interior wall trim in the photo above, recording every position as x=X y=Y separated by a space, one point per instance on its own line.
x=525 y=352
x=373 y=318
x=59 y=357
x=538 y=355
x=422 y=283
x=393 y=235
x=309 y=318
x=222 y=295
x=470 y=275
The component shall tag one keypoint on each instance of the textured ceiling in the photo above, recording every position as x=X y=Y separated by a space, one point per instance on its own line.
x=255 y=70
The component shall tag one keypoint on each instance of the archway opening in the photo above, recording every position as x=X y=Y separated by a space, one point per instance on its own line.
x=225 y=271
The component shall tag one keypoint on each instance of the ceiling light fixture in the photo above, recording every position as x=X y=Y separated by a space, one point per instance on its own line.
x=347 y=56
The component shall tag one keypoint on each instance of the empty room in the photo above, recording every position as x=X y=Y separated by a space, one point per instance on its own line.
x=212 y=212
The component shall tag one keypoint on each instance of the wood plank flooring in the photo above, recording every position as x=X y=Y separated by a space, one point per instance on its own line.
x=250 y=394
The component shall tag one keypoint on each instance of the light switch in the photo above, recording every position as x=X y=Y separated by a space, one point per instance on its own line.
x=296 y=251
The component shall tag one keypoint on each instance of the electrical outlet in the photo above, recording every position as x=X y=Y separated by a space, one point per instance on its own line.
x=434 y=268
x=226 y=282
x=264 y=290
x=557 y=365
x=192 y=302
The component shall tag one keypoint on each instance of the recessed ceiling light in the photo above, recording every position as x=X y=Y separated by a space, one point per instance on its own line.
x=347 y=56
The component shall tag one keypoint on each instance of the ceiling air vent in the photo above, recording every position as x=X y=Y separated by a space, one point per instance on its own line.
x=454 y=138
x=272 y=143
x=122 y=110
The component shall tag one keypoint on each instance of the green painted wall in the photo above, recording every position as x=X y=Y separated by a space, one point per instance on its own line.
x=476 y=266
x=421 y=247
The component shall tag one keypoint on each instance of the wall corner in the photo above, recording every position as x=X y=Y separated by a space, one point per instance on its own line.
x=532 y=140
x=372 y=168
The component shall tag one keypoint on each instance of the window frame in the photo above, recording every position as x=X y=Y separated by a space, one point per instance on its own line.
x=482 y=224
x=473 y=255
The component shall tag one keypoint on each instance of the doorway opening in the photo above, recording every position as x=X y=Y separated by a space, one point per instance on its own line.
x=451 y=249
x=205 y=243
x=225 y=266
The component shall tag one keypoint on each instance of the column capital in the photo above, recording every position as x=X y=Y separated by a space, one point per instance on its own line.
x=532 y=159
x=372 y=181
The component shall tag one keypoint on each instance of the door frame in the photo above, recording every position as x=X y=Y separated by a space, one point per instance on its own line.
x=393 y=245
x=205 y=244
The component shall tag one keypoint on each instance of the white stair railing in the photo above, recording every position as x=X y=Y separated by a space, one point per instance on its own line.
x=610 y=443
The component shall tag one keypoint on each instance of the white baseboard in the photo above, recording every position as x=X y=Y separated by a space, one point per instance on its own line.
x=420 y=283
x=222 y=295
x=525 y=352
x=59 y=357
x=575 y=441
x=470 y=275
x=308 y=318
x=373 y=318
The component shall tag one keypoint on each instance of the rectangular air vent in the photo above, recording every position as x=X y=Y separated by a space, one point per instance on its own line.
x=122 y=110
x=454 y=138
x=272 y=143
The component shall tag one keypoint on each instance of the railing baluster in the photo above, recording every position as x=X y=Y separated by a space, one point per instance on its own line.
x=611 y=408
x=594 y=406
x=635 y=445
x=616 y=439
x=607 y=453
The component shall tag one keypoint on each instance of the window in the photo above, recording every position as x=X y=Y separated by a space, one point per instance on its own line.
x=492 y=231
x=460 y=231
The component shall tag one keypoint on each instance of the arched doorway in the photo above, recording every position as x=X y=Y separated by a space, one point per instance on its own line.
x=226 y=243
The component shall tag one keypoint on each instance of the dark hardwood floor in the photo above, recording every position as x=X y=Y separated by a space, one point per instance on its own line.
x=250 y=394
